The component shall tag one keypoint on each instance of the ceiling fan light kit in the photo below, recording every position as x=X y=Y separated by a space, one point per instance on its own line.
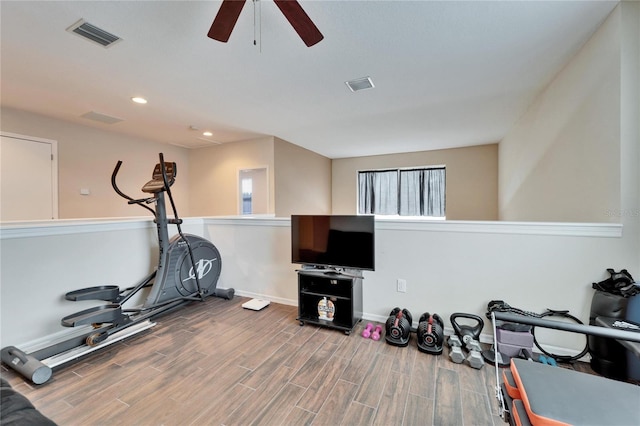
x=229 y=13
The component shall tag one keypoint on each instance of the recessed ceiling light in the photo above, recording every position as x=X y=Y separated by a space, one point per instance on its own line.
x=207 y=134
x=139 y=100
x=360 y=84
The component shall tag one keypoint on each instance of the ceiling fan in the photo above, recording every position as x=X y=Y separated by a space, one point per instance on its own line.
x=230 y=10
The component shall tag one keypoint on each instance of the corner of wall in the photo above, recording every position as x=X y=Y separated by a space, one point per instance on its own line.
x=302 y=180
x=571 y=129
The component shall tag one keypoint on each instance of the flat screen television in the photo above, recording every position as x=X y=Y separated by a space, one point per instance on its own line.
x=333 y=241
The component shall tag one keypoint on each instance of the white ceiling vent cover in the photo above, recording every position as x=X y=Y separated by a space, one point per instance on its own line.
x=102 y=118
x=93 y=33
x=360 y=84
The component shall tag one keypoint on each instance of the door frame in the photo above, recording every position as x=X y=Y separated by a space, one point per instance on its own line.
x=54 y=165
x=239 y=188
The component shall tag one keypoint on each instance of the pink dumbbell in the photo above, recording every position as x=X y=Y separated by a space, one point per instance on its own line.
x=377 y=332
x=366 y=333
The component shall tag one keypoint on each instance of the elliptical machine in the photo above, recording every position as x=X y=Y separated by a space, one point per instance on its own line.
x=188 y=270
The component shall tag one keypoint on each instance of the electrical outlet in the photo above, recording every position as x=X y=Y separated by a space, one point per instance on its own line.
x=402 y=285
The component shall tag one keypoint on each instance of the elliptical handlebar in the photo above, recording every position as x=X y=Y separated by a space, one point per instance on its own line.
x=166 y=187
x=115 y=185
x=122 y=194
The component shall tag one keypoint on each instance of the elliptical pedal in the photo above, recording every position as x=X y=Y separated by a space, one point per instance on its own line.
x=111 y=313
x=108 y=293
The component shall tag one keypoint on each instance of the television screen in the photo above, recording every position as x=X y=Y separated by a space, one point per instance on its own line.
x=333 y=241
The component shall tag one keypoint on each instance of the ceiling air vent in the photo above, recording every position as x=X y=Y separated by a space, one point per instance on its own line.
x=93 y=33
x=360 y=84
x=103 y=118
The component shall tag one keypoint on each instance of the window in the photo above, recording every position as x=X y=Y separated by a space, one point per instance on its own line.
x=403 y=192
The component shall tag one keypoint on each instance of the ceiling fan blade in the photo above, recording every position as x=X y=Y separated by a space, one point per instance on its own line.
x=225 y=20
x=300 y=21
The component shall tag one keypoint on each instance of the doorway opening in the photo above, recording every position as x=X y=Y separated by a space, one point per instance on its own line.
x=253 y=191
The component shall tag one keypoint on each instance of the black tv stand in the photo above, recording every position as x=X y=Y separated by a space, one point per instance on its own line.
x=343 y=288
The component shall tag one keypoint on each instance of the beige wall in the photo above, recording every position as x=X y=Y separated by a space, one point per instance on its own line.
x=472 y=179
x=214 y=172
x=561 y=161
x=299 y=181
x=628 y=14
x=302 y=181
x=86 y=158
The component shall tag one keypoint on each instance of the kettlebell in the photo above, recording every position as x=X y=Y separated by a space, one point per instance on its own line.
x=467 y=333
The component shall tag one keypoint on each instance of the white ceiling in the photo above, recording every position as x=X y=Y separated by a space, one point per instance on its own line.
x=447 y=73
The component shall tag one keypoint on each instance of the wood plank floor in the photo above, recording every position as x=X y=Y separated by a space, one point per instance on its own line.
x=216 y=363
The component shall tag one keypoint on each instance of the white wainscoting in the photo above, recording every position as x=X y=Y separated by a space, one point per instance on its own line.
x=449 y=266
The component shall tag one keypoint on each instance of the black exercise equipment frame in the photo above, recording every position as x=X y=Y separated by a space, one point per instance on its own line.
x=168 y=291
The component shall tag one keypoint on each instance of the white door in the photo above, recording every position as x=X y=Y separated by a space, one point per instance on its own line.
x=28 y=178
